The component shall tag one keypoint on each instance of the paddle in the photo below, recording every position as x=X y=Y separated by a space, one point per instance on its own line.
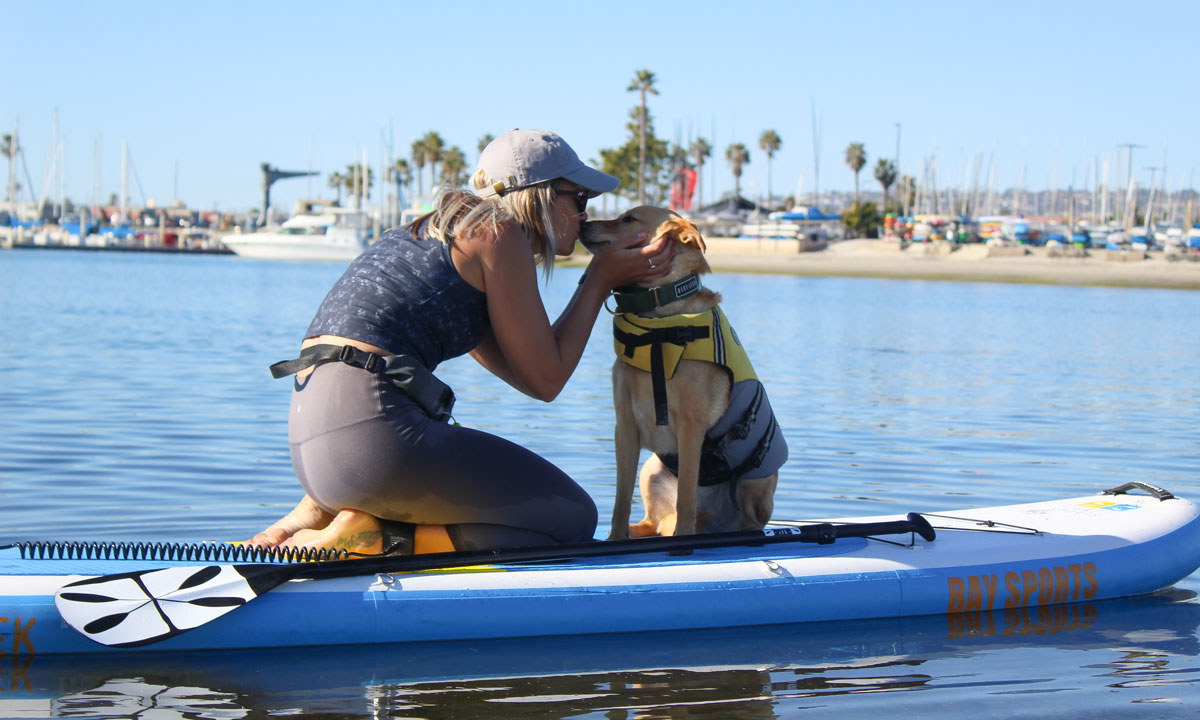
x=146 y=606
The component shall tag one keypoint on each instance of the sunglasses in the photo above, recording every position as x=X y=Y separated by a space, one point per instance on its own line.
x=579 y=196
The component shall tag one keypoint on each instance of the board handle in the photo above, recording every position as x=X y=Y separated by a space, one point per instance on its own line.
x=1154 y=490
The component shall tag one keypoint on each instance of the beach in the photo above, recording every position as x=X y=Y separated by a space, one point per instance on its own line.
x=961 y=263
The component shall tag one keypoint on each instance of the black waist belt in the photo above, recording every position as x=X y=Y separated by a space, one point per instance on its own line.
x=430 y=394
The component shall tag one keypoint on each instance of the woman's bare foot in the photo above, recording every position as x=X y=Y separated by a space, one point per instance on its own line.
x=307 y=515
x=351 y=530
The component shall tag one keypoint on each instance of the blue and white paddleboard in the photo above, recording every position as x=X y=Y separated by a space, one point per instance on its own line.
x=1073 y=550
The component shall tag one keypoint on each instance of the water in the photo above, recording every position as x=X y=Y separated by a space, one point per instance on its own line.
x=135 y=404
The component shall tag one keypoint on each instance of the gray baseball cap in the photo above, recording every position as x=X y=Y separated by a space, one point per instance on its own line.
x=520 y=158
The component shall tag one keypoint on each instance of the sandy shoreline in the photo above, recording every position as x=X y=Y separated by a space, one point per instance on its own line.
x=966 y=263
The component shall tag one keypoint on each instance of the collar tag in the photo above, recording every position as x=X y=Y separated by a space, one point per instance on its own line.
x=687 y=286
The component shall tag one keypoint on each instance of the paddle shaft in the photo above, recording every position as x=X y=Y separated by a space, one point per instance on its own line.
x=822 y=533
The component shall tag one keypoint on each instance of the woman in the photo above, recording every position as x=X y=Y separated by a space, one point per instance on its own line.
x=382 y=469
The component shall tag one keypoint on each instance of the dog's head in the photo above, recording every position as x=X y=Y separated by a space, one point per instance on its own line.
x=651 y=223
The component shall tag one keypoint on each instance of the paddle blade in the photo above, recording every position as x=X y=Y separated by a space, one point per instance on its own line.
x=144 y=607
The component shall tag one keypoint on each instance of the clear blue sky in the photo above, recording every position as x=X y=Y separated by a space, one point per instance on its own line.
x=217 y=87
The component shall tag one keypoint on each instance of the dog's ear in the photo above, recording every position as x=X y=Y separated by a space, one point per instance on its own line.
x=682 y=231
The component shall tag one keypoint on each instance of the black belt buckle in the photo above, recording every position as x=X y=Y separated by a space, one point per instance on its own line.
x=359 y=358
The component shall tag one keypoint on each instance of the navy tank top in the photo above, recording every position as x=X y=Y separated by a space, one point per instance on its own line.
x=403 y=294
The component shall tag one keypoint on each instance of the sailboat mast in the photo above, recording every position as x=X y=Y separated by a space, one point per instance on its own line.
x=12 y=169
x=124 y=179
x=62 y=180
x=1150 y=203
x=816 y=138
x=96 y=172
x=974 y=208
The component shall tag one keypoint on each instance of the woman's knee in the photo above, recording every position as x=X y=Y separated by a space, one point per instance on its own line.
x=578 y=518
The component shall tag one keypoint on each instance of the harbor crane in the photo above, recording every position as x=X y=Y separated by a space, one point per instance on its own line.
x=270 y=175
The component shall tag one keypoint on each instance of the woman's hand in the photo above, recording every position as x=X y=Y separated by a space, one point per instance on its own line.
x=631 y=262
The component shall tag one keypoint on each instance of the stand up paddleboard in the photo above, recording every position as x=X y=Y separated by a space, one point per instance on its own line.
x=86 y=598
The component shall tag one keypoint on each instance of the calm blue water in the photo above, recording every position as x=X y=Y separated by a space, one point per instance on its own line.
x=135 y=404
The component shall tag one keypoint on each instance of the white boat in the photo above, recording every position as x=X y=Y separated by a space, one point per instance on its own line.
x=807 y=226
x=1170 y=237
x=329 y=234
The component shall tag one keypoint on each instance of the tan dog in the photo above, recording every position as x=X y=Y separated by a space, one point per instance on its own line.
x=733 y=486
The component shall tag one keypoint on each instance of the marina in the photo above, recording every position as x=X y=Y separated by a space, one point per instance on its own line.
x=764 y=249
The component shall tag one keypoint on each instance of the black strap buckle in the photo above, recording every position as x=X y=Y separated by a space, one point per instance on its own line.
x=684 y=334
x=359 y=358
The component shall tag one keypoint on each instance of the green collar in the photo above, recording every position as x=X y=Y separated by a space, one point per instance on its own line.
x=639 y=300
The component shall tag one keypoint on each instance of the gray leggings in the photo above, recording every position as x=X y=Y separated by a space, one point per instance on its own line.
x=360 y=443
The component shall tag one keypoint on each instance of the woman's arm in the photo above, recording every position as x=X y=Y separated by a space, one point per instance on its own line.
x=488 y=354
x=524 y=349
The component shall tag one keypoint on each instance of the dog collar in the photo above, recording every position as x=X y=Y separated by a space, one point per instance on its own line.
x=639 y=300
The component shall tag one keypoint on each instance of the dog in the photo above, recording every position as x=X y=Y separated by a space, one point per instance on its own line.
x=684 y=389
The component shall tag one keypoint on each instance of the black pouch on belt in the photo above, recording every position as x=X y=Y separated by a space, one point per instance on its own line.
x=430 y=394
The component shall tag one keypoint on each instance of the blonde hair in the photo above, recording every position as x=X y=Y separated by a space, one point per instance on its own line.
x=460 y=212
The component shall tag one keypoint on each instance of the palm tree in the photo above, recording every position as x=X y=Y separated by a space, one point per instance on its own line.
x=419 y=158
x=643 y=82
x=700 y=151
x=8 y=150
x=434 y=147
x=885 y=173
x=737 y=155
x=401 y=174
x=454 y=167
x=356 y=180
x=484 y=141
x=769 y=143
x=856 y=158
x=336 y=180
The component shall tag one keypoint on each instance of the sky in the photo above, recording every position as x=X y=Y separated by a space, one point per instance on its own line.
x=1044 y=93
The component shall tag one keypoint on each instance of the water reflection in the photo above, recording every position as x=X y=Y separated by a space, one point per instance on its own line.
x=134 y=697
x=1142 y=647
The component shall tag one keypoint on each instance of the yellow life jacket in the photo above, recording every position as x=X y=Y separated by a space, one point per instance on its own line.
x=746 y=441
x=693 y=336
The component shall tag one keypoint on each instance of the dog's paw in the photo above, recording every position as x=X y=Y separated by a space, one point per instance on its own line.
x=645 y=528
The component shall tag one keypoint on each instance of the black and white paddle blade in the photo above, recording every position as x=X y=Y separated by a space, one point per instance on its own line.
x=143 y=607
